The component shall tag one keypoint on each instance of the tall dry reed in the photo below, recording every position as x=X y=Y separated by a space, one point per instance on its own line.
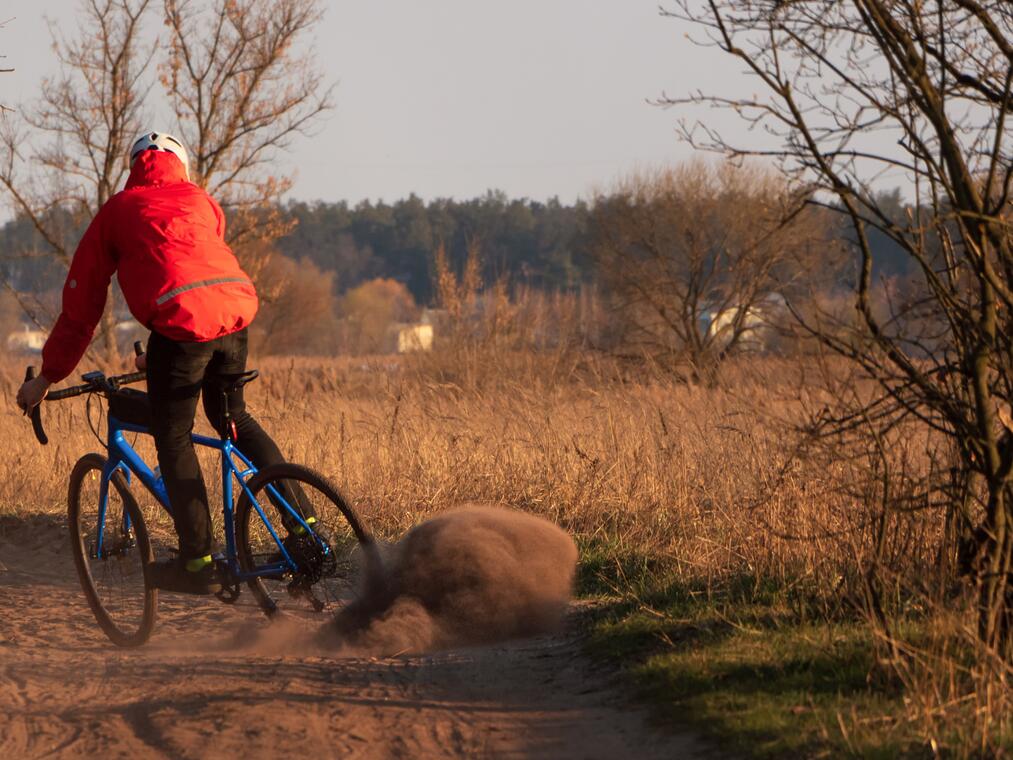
x=701 y=476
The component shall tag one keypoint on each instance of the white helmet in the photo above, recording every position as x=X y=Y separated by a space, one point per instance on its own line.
x=160 y=141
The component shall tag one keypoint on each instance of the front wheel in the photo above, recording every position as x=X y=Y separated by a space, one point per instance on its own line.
x=111 y=552
x=297 y=570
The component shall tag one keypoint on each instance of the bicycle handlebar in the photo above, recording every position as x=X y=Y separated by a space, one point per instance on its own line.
x=100 y=385
x=96 y=383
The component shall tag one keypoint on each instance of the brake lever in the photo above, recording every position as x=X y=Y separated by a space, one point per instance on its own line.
x=36 y=415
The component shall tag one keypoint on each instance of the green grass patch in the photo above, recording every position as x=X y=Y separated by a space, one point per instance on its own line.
x=739 y=664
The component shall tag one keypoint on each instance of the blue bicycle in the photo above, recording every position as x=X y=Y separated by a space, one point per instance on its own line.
x=291 y=537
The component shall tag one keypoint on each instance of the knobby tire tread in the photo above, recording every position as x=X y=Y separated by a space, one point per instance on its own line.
x=85 y=465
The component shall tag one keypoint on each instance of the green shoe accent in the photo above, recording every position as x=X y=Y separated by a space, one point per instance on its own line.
x=299 y=530
x=198 y=564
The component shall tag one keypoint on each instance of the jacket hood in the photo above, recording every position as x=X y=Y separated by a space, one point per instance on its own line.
x=156 y=167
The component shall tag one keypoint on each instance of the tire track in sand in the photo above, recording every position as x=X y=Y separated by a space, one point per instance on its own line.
x=65 y=691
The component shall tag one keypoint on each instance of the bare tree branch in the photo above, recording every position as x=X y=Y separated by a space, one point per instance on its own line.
x=936 y=76
x=69 y=156
x=241 y=93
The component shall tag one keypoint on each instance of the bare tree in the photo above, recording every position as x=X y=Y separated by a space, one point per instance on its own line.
x=932 y=81
x=3 y=108
x=67 y=158
x=241 y=92
x=369 y=311
x=301 y=318
x=696 y=258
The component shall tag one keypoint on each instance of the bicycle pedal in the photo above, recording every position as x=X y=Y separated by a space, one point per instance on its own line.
x=229 y=593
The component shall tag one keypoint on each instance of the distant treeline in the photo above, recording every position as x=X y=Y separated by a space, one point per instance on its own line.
x=547 y=245
x=542 y=244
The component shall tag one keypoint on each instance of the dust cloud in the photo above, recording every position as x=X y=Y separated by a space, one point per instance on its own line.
x=473 y=575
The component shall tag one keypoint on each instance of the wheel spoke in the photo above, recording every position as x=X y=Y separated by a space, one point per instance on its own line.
x=327 y=557
x=112 y=575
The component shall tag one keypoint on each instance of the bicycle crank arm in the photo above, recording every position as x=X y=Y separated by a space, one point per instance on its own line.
x=299 y=588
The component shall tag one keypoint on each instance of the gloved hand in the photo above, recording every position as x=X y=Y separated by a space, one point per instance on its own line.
x=30 y=394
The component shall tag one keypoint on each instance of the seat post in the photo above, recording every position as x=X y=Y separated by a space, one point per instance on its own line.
x=228 y=384
x=227 y=426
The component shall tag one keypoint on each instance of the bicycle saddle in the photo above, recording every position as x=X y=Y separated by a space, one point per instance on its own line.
x=230 y=383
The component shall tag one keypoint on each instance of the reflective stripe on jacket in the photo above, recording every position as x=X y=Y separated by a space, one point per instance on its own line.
x=164 y=238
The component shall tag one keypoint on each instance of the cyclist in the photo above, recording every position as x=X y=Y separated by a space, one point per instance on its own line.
x=164 y=239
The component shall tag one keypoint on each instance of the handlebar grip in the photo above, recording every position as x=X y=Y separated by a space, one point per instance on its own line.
x=133 y=377
x=138 y=348
x=40 y=432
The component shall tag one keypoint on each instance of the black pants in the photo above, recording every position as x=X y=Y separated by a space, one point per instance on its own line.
x=177 y=375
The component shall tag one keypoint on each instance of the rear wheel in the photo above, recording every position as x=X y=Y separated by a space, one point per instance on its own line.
x=327 y=558
x=111 y=569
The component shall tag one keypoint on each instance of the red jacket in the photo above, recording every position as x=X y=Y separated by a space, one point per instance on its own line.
x=164 y=238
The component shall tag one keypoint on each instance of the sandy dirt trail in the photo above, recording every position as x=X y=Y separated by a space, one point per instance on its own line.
x=65 y=691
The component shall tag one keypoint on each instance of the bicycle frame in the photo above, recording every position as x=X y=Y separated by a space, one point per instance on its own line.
x=123 y=458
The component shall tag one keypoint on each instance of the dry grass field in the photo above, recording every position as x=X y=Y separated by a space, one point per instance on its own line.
x=666 y=470
x=716 y=543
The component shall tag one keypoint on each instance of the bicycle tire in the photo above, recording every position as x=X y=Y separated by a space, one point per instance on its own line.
x=120 y=634
x=247 y=518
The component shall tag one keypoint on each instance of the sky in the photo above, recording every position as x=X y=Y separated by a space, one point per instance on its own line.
x=451 y=98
